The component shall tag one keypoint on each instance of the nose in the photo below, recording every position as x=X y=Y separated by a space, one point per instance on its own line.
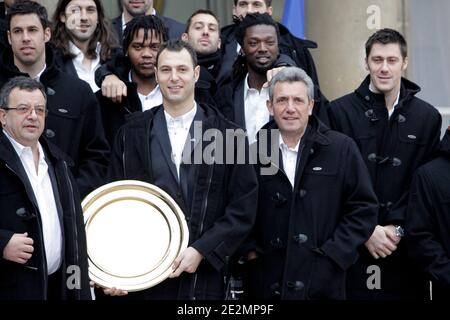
x=174 y=75
x=205 y=30
x=83 y=14
x=384 y=66
x=262 y=47
x=26 y=36
x=147 y=52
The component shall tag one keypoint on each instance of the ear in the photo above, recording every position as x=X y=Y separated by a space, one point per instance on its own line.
x=405 y=64
x=196 y=73
x=156 y=74
x=47 y=35
x=269 y=105
x=185 y=37
x=9 y=37
x=219 y=43
x=270 y=10
x=2 y=117
x=62 y=18
x=366 y=65
x=310 y=107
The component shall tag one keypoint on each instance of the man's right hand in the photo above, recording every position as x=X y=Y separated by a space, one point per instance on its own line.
x=113 y=88
x=19 y=248
x=380 y=244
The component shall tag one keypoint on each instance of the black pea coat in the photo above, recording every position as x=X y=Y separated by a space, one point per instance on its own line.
x=392 y=148
x=428 y=221
x=307 y=236
x=19 y=213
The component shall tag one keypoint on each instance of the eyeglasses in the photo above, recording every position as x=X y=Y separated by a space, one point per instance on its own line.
x=39 y=110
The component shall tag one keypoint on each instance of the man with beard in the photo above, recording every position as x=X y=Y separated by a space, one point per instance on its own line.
x=83 y=37
x=142 y=39
x=134 y=8
x=244 y=100
x=202 y=33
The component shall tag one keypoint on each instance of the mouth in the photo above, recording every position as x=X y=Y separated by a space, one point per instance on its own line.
x=147 y=65
x=136 y=4
x=27 y=49
x=174 y=88
x=204 y=41
x=263 y=60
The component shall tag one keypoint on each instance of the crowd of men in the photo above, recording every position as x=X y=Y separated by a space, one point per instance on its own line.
x=346 y=199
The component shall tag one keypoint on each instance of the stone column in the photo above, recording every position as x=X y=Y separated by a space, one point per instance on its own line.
x=341 y=28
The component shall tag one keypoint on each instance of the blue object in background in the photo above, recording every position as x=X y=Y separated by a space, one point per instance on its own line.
x=294 y=17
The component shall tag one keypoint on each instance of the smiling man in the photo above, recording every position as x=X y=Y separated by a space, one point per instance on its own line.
x=315 y=211
x=396 y=132
x=217 y=199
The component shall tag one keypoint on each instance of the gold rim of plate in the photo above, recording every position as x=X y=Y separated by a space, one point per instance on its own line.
x=134 y=232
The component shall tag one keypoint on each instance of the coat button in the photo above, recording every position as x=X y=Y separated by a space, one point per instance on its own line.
x=50 y=91
x=50 y=133
x=300 y=238
x=401 y=118
x=295 y=285
x=21 y=212
x=367 y=98
x=302 y=193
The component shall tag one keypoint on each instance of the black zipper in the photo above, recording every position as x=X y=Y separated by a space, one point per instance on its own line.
x=204 y=206
x=74 y=224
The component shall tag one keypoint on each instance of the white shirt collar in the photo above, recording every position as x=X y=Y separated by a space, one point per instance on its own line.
x=285 y=146
x=247 y=88
x=79 y=54
x=38 y=76
x=19 y=148
x=186 y=118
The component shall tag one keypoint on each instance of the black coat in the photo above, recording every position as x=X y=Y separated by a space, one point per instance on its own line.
x=392 y=150
x=428 y=221
x=19 y=213
x=307 y=236
x=297 y=49
x=73 y=122
x=175 y=28
x=219 y=200
x=114 y=114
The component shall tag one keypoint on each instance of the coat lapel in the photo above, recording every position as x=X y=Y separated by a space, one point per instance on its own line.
x=162 y=136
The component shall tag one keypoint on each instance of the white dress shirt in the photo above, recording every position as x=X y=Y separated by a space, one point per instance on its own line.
x=256 y=112
x=178 y=129
x=289 y=156
x=153 y=99
x=390 y=111
x=38 y=76
x=83 y=74
x=43 y=192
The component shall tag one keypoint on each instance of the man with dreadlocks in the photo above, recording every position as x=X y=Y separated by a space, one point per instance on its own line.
x=142 y=39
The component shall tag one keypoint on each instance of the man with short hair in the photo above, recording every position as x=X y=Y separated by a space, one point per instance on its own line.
x=83 y=37
x=396 y=132
x=74 y=122
x=133 y=8
x=301 y=244
x=42 y=238
x=217 y=198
